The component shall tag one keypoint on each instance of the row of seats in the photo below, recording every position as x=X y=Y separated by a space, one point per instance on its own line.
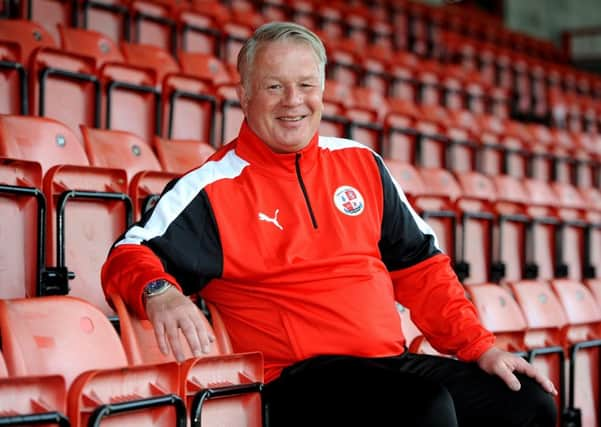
x=501 y=228
x=62 y=362
x=415 y=24
x=504 y=75
x=554 y=324
x=144 y=90
x=63 y=194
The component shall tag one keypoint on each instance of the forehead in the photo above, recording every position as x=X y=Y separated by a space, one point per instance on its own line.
x=285 y=56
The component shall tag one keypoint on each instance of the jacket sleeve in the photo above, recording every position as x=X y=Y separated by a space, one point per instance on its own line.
x=177 y=241
x=424 y=280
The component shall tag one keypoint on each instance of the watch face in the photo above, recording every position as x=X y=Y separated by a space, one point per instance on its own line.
x=156 y=286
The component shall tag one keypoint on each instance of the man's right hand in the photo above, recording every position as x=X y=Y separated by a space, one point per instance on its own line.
x=173 y=311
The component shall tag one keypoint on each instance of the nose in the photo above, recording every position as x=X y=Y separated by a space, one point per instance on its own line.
x=293 y=95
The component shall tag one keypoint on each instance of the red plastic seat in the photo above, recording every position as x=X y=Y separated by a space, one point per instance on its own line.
x=546 y=322
x=87 y=207
x=145 y=176
x=513 y=243
x=65 y=87
x=109 y=17
x=218 y=373
x=90 y=43
x=475 y=245
x=180 y=156
x=49 y=13
x=584 y=341
x=199 y=30
x=32 y=399
x=573 y=231
x=70 y=337
x=545 y=226
x=500 y=313
x=22 y=208
x=18 y=40
x=153 y=23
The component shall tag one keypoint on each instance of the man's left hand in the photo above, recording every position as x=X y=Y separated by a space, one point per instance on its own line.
x=503 y=364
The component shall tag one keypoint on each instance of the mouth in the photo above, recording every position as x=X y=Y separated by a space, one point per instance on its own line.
x=291 y=119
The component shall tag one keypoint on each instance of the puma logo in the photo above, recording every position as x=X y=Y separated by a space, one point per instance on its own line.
x=274 y=220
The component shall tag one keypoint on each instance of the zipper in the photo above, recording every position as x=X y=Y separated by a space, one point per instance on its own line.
x=304 y=189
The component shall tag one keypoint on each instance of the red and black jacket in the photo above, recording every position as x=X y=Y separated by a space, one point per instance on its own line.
x=303 y=254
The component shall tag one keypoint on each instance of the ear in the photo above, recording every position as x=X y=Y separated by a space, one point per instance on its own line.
x=242 y=96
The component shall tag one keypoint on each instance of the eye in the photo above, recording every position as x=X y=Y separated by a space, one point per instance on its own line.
x=274 y=86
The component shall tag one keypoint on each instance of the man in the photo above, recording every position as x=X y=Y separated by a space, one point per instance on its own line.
x=303 y=243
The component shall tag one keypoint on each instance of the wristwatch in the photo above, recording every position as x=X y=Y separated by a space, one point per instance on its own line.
x=156 y=287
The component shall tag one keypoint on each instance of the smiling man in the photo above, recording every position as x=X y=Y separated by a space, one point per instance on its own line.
x=304 y=243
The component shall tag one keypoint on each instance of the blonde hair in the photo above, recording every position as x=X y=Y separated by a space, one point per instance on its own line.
x=279 y=31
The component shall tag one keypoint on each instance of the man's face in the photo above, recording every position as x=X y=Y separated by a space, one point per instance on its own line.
x=283 y=102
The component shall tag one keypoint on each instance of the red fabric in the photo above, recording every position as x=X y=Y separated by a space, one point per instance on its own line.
x=128 y=270
x=439 y=308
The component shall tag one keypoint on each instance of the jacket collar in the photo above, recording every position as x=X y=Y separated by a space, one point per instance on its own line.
x=251 y=148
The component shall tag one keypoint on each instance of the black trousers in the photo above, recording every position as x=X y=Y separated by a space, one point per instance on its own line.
x=408 y=390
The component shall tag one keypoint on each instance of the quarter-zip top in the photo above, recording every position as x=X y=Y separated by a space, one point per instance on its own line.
x=299 y=175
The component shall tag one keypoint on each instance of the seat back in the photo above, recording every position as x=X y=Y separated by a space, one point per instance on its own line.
x=512 y=242
x=90 y=43
x=180 y=156
x=46 y=335
x=583 y=340
x=64 y=86
x=113 y=148
x=500 y=313
x=206 y=374
x=66 y=336
x=43 y=140
x=28 y=35
x=22 y=207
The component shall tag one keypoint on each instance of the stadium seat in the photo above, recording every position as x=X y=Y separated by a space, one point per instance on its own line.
x=439 y=208
x=571 y=209
x=474 y=238
x=153 y=24
x=131 y=77
x=109 y=17
x=30 y=400
x=215 y=374
x=18 y=40
x=592 y=254
x=545 y=229
x=49 y=13
x=90 y=43
x=23 y=211
x=400 y=135
x=513 y=245
x=87 y=207
x=583 y=341
x=199 y=30
x=64 y=86
x=500 y=313
x=546 y=322
x=62 y=335
x=145 y=176
x=180 y=156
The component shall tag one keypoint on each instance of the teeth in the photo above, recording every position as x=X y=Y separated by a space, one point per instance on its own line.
x=291 y=119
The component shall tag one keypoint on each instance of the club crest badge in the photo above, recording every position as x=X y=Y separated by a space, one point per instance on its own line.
x=348 y=200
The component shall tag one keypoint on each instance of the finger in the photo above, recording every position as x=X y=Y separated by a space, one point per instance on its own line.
x=530 y=370
x=172 y=332
x=159 y=333
x=206 y=337
x=191 y=334
x=508 y=377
